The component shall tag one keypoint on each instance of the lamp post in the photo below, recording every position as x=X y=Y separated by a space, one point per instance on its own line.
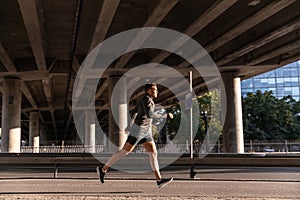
x=192 y=168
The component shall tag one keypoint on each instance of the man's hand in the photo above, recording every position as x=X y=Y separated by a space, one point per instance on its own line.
x=170 y=115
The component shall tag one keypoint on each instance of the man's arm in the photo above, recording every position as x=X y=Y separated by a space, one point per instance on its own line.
x=149 y=110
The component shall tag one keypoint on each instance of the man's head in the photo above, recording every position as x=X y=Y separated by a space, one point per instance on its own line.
x=151 y=89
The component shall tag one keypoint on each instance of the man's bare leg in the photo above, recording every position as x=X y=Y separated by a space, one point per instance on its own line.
x=127 y=148
x=151 y=149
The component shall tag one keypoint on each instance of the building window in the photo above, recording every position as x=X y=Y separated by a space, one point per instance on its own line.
x=282 y=82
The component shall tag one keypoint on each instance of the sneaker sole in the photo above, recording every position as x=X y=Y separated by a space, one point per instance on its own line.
x=165 y=184
x=98 y=173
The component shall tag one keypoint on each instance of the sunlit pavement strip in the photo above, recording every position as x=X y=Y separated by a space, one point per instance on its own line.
x=127 y=197
x=61 y=189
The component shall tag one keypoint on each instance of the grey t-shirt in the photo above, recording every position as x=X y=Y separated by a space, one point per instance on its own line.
x=145 y=114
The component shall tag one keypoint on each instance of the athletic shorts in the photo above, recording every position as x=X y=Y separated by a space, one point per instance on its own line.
x=133 y=140
x=140 y=135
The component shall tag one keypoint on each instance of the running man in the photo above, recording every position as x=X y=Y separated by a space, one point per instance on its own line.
x=141 y=134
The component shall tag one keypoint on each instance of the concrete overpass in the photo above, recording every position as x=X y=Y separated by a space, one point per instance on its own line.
x=44 y=42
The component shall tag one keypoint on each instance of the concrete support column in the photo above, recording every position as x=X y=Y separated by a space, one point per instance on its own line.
x=77 y=139
x=11 y=115
x=123 y=112
x=90 y=132
x=81 y=133
x=118 y=124
x=34 y=131
x=43 y=136
x=93 y=137
x=233 y=137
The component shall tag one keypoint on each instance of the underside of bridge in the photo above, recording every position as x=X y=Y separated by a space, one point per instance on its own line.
x=44 y=42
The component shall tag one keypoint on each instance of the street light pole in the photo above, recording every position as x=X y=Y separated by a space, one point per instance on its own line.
x=191 y=115
x=192 y=168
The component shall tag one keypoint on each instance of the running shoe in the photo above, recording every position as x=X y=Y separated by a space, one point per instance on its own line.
x=101 y=174
x=163 y=182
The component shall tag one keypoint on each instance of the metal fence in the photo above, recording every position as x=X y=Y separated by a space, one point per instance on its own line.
x=272 y=146
x=250 y=146
x=63 y=149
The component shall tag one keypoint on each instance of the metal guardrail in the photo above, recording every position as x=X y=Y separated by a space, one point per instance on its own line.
x=55 y=162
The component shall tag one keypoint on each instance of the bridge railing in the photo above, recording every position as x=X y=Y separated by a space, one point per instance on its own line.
x=63 y=149
x=250 y=146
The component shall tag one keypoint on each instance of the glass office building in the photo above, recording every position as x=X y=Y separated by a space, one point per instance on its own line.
x=282 y=82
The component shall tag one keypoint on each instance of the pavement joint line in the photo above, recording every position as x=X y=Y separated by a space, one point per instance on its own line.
x=152 y=179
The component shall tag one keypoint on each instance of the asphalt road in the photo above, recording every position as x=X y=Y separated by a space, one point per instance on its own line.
x=211 y=183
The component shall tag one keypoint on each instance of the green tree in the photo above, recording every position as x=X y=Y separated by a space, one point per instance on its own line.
x=266 y=117
x=203 y=105
x=294 y=128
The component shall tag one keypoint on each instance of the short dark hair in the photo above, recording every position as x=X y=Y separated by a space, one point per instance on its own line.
x=149 y=86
